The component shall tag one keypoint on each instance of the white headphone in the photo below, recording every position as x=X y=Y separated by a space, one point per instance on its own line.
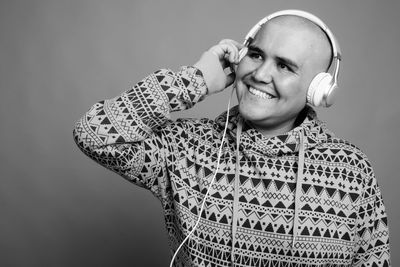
x=322 y=88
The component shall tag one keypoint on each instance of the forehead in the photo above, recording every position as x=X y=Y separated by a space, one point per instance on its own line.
x=289 y=36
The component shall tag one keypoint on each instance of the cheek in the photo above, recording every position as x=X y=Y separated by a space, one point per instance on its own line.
x=240 y=72
x=244 y=68
x=240 y=90
x=239 y=85
x=292 y=89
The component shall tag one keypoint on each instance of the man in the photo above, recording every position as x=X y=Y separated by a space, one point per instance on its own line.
x=278 y=188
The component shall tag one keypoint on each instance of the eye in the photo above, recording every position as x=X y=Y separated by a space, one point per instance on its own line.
x=283 y=66
x=255 y=55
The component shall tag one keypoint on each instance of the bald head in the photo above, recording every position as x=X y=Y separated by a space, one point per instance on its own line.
x=313 y=36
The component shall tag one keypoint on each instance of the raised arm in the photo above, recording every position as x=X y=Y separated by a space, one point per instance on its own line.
x=124 y=133
x=127 y=133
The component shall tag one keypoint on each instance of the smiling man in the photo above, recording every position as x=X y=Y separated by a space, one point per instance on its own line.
x=272 y=80
x=266 y=184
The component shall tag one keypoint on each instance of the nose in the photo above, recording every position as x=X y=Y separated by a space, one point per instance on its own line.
x=264 y=72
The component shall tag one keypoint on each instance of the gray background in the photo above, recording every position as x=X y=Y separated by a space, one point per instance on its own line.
x=59 y=208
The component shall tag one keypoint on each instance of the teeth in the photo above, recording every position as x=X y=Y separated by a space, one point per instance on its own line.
x=259 y=93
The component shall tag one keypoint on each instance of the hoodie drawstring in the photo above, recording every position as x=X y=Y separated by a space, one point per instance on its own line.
x=236 y=191
x=300 y=174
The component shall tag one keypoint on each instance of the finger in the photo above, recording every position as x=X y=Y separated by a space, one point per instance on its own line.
x=234 y=53
x=217 y=50
x=230 y=41
x=231 y=50
x=225 y=52
x=220 y=50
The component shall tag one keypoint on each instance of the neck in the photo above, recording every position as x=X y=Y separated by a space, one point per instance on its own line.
x=282 y=128
x=271 y=132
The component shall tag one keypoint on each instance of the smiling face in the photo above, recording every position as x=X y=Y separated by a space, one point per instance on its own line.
x=273 y=78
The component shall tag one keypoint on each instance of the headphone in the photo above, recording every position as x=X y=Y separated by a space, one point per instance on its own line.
x=322 y=89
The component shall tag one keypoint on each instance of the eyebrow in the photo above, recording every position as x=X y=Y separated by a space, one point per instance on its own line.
x=288 y=62
x=280 y=59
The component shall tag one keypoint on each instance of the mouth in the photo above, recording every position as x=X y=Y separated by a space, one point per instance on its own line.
x=260 y=94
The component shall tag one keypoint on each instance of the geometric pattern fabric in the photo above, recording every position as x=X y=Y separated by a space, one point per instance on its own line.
x=341 y=215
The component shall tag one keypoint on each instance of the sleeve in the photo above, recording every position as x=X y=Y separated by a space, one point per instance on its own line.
x=125 y=134
x=372 y=236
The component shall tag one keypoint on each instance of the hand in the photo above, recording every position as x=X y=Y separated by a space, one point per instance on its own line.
x=213 y=62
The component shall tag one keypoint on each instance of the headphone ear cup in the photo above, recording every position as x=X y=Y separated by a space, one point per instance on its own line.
x=319 y=89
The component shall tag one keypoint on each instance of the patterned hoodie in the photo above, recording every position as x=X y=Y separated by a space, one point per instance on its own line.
x=303 y=198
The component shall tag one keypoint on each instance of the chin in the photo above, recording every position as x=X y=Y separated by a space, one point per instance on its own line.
x=252 y=112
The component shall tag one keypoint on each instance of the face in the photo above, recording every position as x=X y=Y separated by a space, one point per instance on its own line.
x=273 y=78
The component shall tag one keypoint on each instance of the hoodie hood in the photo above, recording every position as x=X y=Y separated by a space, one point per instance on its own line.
x=314 y=131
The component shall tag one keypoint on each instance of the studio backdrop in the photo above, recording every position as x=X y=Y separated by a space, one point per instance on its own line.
x=58 y=58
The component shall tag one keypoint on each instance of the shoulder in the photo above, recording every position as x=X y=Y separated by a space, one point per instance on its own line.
x=344 y=152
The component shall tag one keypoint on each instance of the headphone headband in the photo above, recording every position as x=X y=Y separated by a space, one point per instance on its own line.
x=303 y=14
